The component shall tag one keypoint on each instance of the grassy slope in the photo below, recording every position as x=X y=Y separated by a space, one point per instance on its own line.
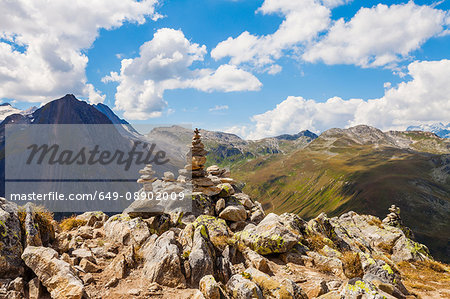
x=362 y=178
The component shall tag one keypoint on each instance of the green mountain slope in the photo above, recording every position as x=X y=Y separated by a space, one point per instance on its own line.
x=365 y=170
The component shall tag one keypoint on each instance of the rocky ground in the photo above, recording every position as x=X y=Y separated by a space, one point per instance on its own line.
x=217 y=255
x=227 y=247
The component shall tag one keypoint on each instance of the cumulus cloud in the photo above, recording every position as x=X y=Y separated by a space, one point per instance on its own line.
x=42 y=44
x=303 y=20
x=423 y=99
x=378 y=36
x=164 y=63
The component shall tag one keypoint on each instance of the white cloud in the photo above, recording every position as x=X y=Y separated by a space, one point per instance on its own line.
x=164 y=63
x=303 y=20
x=423 y=99
x=42 y=44
x=378 y=36
x=219 y=108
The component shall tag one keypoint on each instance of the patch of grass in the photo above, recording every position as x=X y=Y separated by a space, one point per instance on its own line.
x=324 y=268
x=425 y=275
x=375 y=222
x=221 y=242
x=315 y=242
x=351 y=263
x=72 y=223
x=385 y=247
x=43 y=220
x=138 y=255
x=422 y=287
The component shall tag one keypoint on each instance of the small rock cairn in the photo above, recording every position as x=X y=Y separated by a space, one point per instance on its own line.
x=147 y=177
x=200 y=181
x=393 y=218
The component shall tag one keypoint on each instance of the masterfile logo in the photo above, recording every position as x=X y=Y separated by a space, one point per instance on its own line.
x=76 y=168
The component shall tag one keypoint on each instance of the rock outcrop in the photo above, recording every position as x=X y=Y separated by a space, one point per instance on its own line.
x=11 y=264
x=56 y=275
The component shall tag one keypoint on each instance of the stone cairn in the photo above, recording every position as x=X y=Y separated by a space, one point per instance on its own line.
x=200 y=182
x=147 y=178
x=393 y=218
x=198 y=154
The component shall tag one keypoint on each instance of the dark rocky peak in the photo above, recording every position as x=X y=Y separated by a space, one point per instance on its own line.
x=69 y=110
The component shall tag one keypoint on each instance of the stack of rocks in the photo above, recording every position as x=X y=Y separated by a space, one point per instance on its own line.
x=168 y=177
x=214 y=170
x=393 y=218
x=200 y=182
x=198 y=154
x=216 y=194
x=147 y=178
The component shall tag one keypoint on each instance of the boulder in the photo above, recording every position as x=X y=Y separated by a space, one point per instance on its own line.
x=357 y=288
x=32 y=235
x=124 y=230
x=85 y=253
x=350 y=227
x=245 y=200
x=218 y=230
x=209 y=287
x=162 y=263
x=56 y=275
x=327 y=264
x=34 y=289
x=93 y=217
x=242 y=288
x=88 y=266
x=380 y=271
x=202 y=204
x=269 y=236
x=274 y=287
x=234 y=213
x=220 y=205
x=144 y=209
x=11 y=264
x=408 y=250
x=253 y=259
x=226 y=190
x=201 y=257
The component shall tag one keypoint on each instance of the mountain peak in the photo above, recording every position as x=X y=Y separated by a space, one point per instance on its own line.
x=304 y=133
x=69 y=110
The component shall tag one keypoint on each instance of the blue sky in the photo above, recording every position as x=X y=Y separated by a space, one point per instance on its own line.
x=315 y=66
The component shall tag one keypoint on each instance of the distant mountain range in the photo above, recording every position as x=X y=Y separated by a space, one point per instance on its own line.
x=437 y=128
x=360 y=168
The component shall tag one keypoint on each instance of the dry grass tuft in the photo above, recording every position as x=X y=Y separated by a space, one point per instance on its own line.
x=426 y=275
x=385 y=247
x=352 y=264
x=138 y=255
x=72 y=223
x=315 y=242
x=375 y=222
